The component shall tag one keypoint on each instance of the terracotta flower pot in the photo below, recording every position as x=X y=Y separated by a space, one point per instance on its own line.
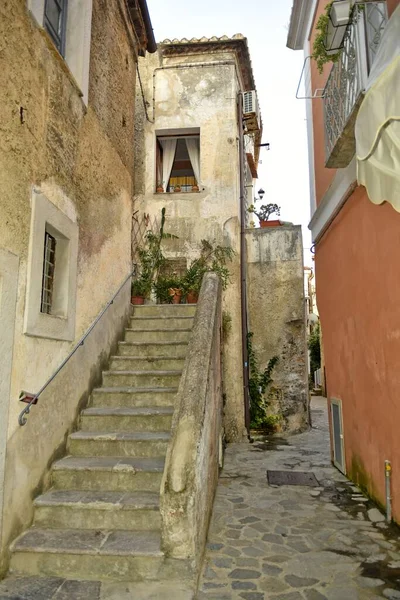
x=160 y=189
x=137 y=300
x=176 y=295
x=195 y=188
x=192 y=297
x=273 y=223
x=177 y=188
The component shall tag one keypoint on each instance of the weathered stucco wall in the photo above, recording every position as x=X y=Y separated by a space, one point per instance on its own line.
x=276 y=313
x=358 y=301
x=192 y=464
x=81 y=159
x=202 y=96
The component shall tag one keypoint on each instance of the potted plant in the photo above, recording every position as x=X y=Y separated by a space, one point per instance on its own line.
x=331 y=28
x=212 y=258
x=175 y=294
x=195 y=188
x=162 y=286
x=191 y=281
x=140 y=290
x=265 y=211
x=160 y=188
x=177 y=188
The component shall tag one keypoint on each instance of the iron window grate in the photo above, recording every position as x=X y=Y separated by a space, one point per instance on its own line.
x=49 y=260
x=55 y=19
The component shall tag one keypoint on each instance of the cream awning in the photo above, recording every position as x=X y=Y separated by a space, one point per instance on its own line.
x=377 y=129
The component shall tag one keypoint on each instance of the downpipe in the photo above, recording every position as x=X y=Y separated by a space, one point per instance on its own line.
x=388 y=477
x=243 y=264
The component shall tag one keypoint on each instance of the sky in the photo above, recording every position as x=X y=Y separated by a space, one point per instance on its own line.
x=283 y=173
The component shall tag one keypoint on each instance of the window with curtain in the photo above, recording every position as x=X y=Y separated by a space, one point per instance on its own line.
x=178 y=163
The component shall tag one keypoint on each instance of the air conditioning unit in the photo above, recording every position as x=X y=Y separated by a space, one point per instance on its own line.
x=251 y=112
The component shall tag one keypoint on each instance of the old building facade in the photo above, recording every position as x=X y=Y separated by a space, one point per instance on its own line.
x=354 y=224
x=66 y=175
x=190 y=133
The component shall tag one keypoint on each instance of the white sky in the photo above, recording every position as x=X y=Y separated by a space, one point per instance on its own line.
x=283 y=173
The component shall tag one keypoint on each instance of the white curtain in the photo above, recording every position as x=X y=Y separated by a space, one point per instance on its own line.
x=193 y=148
x=169 y=148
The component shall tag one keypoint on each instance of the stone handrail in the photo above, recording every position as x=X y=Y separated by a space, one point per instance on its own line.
x=192 y=462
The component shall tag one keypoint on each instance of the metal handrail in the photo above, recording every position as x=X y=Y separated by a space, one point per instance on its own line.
x=22 y=418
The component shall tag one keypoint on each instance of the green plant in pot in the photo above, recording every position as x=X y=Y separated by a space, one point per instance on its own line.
x=265 y=211
x=212 y=258
x=141 y=288
x=163 y=285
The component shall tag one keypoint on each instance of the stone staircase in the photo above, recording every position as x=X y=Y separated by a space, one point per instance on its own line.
x=101 y=520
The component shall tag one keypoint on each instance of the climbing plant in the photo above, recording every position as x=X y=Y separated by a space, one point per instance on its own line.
x=314 y=347
x=258 y=384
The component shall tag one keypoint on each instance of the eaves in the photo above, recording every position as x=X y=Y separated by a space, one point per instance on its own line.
x=299 y=23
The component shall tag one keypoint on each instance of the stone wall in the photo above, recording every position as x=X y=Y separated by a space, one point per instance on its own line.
x=192 y=463
x=276 y=313
x=80 y=157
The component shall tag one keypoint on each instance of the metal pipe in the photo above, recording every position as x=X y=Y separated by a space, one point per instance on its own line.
x=151 y=42
x=243 y=289
x=388 y=476
x=22 y=419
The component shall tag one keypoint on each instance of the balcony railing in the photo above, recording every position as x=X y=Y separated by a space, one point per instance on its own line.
x=346 y=83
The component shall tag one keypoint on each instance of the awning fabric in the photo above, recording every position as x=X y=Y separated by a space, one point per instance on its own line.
x=377 y=129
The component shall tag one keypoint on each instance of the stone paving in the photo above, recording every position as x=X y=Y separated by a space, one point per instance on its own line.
x=296 y=543
x=327 y=542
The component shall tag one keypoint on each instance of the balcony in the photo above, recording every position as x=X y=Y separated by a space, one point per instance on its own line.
x=344 y=90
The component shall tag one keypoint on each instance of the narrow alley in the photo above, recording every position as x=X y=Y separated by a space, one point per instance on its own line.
x=327 y=542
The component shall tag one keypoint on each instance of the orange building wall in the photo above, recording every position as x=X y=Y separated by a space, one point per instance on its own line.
x=358 y=292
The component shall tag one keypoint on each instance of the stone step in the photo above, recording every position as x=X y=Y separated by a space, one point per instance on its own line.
x=154 y=349
x=89 y=554
x=157 y=335
x=37 y=587
x=141 y=378
x=159 y=322
x=156 y=418
x=133 y=397
x=139 y=363
x=164 y=310
x=108 y=473
x=77 y=509
x=139 y=444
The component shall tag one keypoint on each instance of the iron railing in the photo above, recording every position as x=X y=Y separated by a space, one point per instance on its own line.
x=33 y=398
x=348 y=77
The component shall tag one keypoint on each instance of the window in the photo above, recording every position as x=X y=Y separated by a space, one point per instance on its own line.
x=52 y=272
x=68 y=23
x=178 y=162
x=49 y=260
x=55 y=20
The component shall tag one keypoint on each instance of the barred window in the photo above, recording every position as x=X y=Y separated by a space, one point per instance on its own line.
x=55 y=19
x=49 y=260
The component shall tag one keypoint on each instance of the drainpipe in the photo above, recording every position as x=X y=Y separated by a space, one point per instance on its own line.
x=243 y=265
x=388 y=474
x=151 y=42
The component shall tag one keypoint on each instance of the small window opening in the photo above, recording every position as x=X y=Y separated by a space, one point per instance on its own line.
x=55 y=20
x=49 y=260
x=178 y=163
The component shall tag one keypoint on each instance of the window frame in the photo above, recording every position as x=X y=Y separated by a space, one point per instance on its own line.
x=49 y=266
x=60 y=323
x=59 y=39
x=178 y=135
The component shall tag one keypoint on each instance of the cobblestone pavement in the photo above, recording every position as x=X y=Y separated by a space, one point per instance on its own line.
x=296 y=543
